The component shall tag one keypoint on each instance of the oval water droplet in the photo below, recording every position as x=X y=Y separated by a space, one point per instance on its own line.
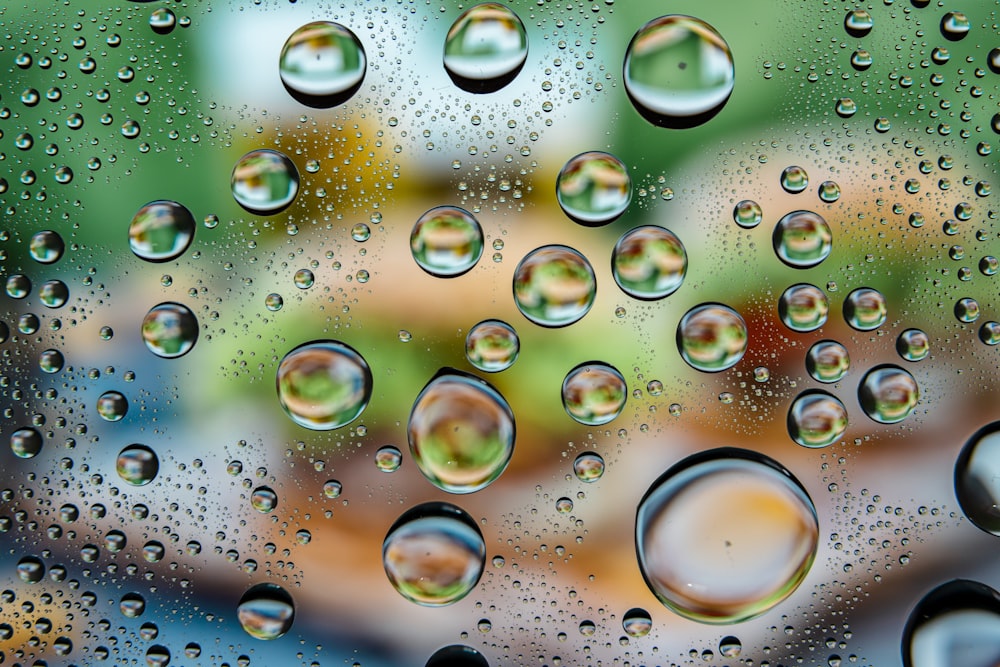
x=322 y=64
x=802 y=239
x=161 y=231
x=712 y=337
x=588 y=467
x=461 y=432
x=594 y=393
x=865 y=309
x=649 y=262
x=26 y=442
x=554 y=286
x=593 y=188
x=957 y=623
x=888 y=394
x=446 y=241
x=264 y=182
x=977 y=478
x=913 y=345
x=827 y=361
x=169 y=330
x=637 y=622
x=457 y=655
x=725 y=535
x=803 y=307
x=46 y=247
x=816 y=419
x=678 y=71
x=137 y=465
x=434 y=554
x=492 y=346
x=266 y=611
x=747 y=214
x=485 y=48
x=323 y=385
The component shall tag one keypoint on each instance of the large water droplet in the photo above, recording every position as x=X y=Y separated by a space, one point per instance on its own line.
x=554 y=286
x=264 y=182
x=26 y=442
x=492 y=346
x=161 y=231
x=802 y=239
x=169 y=330
x=434 y=554
x=977 y=478
x=162 y=20
x=132 y=605
x=446 y=241
x=594 y=188
x=30 y=569
x=747 y=214
x=794 y=179
x=112 y=406
x=827 y=361
x=637 y=622
x=594 y=393
x=266 y=611
x=264 y=499
x=958 y=623
x=730 y=647
x=457 y=655
x=46 y=247
x=324 y=384
x=485 y=48
x=888 y=394
x=137 y=465
x=712 y=337
x=649 y=262
x=388 y=458
x=53 y=293
x=678 y=71
x=954 y=26
x=725 y=535
x=913 y=345
x=461 y=432
x=816 y=419
x=803 y=307
x=858 y=23
x=322 y=64
x=865 y=309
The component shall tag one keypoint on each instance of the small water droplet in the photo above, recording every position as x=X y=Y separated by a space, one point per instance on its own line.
x=137 y=465
x=913 y=345
x=264 y=499
x=954 y=26
x=747 y=214
x=388 y=458
x=46 y=247
x=858 y=23
x=637 y=622
x=112 y=406
x=794 y=179
x=803 y=307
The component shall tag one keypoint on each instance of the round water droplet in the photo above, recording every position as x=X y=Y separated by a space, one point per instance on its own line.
x=588 y=467
x=485 y=48
x=802 y=239
x=594 y=393
x=46 y=247
x=264 y=182
x=18 y=286
x=989 y=333
x=457 y=655
x=157 y=655
x=730 y=647
x=169 y=330
x=26 y=442
x=266 y=611
x=594 y=188
x=747 y=214
x=137 y=465
x=865 y=309
x=434 y=554
x=51 y=361
x=725 y=535
x=554 y=286
x=273 y=302
x=323 y=385
x=53 y=293
x=637 y=622
x=153 y=551
x=162 y=20
x=977 y=478
x=678 y=71
x=827 y=361
x=304 y=279
x=564 y=505
x=967 y=310
x=861 y=60
x=846 y=107
x=829 y=191
x=161 y=231
x=332 y=489
x=816 y=419
x=712 y=337
x=361 y=232
x=803 y=307
x=492 y=346
x=858 y=23
x=264 y=499
x=30 y=569
x=794 y=179
x=461 y=432
x=954 y=26
x=649 y=262
x=958 y=623
x=112 y=406
x=322 y=64
x=446 y=241
x=388 y=458
x=913 y=345
x=888 y=394
x=132 y=605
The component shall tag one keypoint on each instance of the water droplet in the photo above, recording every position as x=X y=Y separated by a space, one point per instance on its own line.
x=46 y=247
x=747 y=214
x=858 y=23
x=434 y=554
x=861 y=60
x=485 y=48
x=53 y=293
x=322 y=64
x=153 y=551
x=637 y=622
x=989 y=333
x=304 y=279
x=460 y=432
x=323 y=385
x=802 y=239
x=388 y=458
x=264 y=182
x=678 y=71
x=26 y=442
x=712 y=337
x=264 y=499
x=794 y=179
x=132 y=605
x=957 y=623
x=829 y=191
x=725 y=535
x=888 y=394
x=977 y=478
x=865 y=309
x=115 y=541
x=588 y=467
x=51 y=361
x=18 y=286
x=649 y=262
x=594 y=393
x=332 y=489
x=30 y=569
x=112 y=406
x=361 y=232
x=157 y=655
x=192 y=650
x=967 y=310
x=266 y=611
x=137 y=465
x=161 y=231
x=803 y=307
x=846 y=107
x=162 y=20
x=827 y=361
x=554 y=286
x=273 y=302
x=492 y=346
x=594 y=188
x=457 y=655
x=564 y=505
x=913 y=345
x=816 y=419
x=954 y=26
x=169 y=330
x=730 y=647
x=446 y=241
